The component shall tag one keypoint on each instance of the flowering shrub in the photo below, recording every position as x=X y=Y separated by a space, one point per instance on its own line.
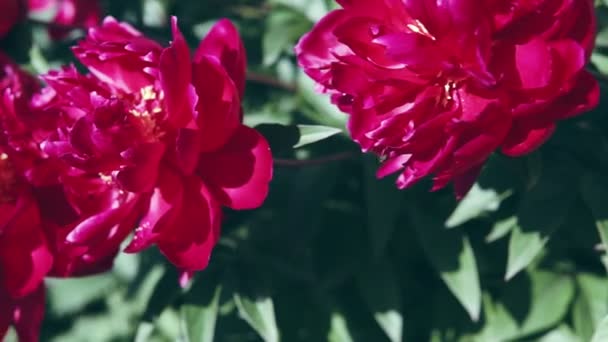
x=202 y=179
x=436 y=88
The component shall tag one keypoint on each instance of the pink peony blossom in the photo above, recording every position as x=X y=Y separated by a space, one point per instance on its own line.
x=434 y=87
x=69 y=14
x=163 y=128
x=41 y=201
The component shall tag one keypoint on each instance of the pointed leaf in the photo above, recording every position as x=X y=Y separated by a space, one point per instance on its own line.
x=452 y=256
x=310 y=134
x=259 y=314
x=543 y=209
x=338 y=331
x=477 y=202
x=199 y=313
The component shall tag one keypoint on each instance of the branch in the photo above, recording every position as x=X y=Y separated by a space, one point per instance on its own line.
x=270 y=81
x=318 y=161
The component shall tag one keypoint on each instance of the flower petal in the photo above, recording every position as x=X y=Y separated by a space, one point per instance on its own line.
x=239 y=173
x=225 y=45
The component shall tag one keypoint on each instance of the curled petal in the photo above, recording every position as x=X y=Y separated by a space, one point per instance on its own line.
x=239 y=173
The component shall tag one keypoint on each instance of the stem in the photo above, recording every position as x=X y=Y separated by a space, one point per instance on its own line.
x=318 y=161
x=270 y=81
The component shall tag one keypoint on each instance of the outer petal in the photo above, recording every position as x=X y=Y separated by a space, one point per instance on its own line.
x=190 y=239
x=119 y=55
x=25 y=314
x=239 y=173
x=224 y=44
x=523 y=140
x=175 y=76
x=218 y=108
x=24 y=255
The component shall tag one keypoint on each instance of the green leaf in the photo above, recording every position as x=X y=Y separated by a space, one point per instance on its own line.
x=528 y=305
x=383 y=203
x=199 y=313
x=451 y=255
x=321 y=109
x=542 y=210
x=501 y=229
x=560 y=334
x=595 y=193
x=259 y=314
x=313 y=9
x=283 y=27
x=312 y=133
x=591 y=304
x=601 y=334
x=381 y=292
x=477 y=202
x=71 y=295
x=338 y=331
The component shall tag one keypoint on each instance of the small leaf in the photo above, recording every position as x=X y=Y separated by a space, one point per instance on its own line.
x=310 y=134
x=283 y=27
x=259 y=313
x=477 y=202
x=381 y=292
x=338 y=331
x=591 y=304
x=601 y=334
x=543 y=209
x=199 y=313
x=321 y=109
x=452 y=256
x=501 y=229
x=531 y=303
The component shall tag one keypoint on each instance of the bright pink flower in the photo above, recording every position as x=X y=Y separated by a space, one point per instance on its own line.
x=68 y=13
x=434 y=87
x=10 y=13
x=166 y=130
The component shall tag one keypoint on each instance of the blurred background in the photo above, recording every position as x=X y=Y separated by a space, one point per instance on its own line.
x=336 y=255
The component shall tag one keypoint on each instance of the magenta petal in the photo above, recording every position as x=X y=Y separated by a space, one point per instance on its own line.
x=28 y=315
x=464 y=182
x=522 y=140
x=218 y=108
x=25 y=257
x=175 y=75
x=239 y=173
x=195 y=232
x=224 y=44
x=392 y=165
x=187 y=149
x=95 y=228
x=145 y=159
x=164 y=205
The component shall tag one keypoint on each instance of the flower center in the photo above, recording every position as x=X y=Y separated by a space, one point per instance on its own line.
x=147 y=110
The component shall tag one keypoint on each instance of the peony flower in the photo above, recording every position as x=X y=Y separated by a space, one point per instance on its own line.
x=434 y=87
x=68 y=14
x=10 y=14
x=165 y=129
x=41 y=201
